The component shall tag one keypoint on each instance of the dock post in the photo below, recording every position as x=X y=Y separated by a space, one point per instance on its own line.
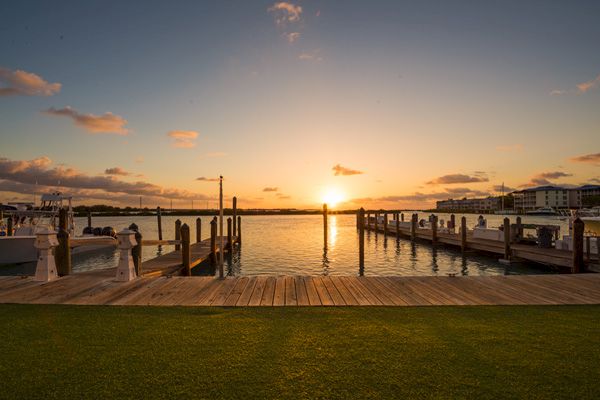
x=452 y=222
x=519 y=229
x=136 y=251
x=588 y=251
x=234 y=216
x=62 y=253
x=159 y=219
x=413 y=227
x=463 y=234
x=361 y=238
x=398 y=226
x=45 y=241
x=434 y=228
x=507 y=253
x=385 y=223
x=402 y=217
x=177 y=234
x=239 y=230
x=198 y=230
x=229 y=245
x=369 y=221
x=185 y=250
x=126 y=267
x=325 y=224
x=213 y=240
x=376 y=222
x=89 y=219
x=578 y=227
x=9 y=225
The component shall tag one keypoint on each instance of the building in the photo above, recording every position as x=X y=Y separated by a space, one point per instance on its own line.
x=481 y=205
x=556 y=197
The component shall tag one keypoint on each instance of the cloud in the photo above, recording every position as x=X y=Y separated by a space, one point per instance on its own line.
x=543 y=178
x=557 y=92
x=270 y=189
x=291 y=37
x=281 y=196
x=205 y=179
x=105 y=123
x=510 y=148
x=311 y=55
x=424 y=197
x=507 y=189
x=457 y=178
x=40 y=171
x=285 y=12
x=338 y=170
x=18 y=82
x=586 y=86
x=593 y=159
x=116 y=171
x=595 y=180
x=183 y=139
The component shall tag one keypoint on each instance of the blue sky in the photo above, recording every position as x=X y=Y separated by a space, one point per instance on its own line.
x=379 y=87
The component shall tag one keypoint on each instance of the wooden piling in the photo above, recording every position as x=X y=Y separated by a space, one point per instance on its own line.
x=361 y=238
x=198 y=230
x=229 y=235
x=402 y=217
x=434 y=229
x=588 y=250
x=177 y=234
x=89 y=219
x=578 y=228
x=368 y=220
x=463 y=234
x=136 y=251
x=62 y=253
x=413 y=227
x=519 y=229
x=213 y=240
x=452 y=222
x=239 y=230
x=398 y=226
x=234 y=216
x=376 y=222
x=325 y=224
x=185 y=250
x=159 y=219
x=9 y=225
x=385 y=223
x=507 y=253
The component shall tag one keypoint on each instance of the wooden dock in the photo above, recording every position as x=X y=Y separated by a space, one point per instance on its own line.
x=101 y=288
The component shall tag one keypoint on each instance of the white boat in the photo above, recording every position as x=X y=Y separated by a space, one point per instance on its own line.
x=19 y=247
x=542 y=211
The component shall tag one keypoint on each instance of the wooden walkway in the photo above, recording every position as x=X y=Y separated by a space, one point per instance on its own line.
x=100 y=287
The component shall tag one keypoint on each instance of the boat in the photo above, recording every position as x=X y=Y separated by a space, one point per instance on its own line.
x=542 y=211
x=18 y=247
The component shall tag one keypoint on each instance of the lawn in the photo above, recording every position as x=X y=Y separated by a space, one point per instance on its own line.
x=429 y=352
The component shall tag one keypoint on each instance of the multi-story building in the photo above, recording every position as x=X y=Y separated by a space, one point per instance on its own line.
x=554 y=196
x=482 y=204
x=578 y=197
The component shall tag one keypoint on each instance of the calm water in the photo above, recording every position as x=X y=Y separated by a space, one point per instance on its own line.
x=294 y=245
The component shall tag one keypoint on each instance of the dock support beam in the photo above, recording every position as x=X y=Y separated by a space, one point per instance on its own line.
x=198 y=230
x=229 y=245
x=136 y=251
x=177 y=234
x=434 y=229
x=413 y=227
x=62 y=253
x=89 y=219
x=507 y=254
x=452 y=222
x=325 y=225
x=519 y=229
x=578 y=227
x=239 y=230
x=213 y=241
x=376 y=222
x=185 y=250
x=463 y=234
x=159 y=219
x=234 y=216
x=361 y=238
x=385 y=223
x=9 y=225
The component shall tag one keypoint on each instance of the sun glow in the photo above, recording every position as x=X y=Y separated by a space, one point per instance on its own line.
x=332 y=197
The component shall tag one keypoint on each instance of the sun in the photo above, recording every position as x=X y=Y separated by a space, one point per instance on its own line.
x=333 y=197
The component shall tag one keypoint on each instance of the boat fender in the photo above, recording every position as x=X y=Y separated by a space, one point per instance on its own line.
x=97 y=231
x=88 y=230
x=109 y=231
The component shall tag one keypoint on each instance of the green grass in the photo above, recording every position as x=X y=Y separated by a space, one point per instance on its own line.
x=435 y=352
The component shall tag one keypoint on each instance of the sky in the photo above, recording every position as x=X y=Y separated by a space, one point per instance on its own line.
x=385 y=104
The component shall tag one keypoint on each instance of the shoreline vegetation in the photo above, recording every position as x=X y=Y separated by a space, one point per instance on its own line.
x=483 y=352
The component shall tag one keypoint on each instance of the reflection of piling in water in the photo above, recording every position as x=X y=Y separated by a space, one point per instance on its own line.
x=361 y=240
x=159 y=219
x=325 y=225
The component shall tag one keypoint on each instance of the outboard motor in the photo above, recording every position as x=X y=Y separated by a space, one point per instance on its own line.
x=88 y=230
x=97 y=231
x=109 y=231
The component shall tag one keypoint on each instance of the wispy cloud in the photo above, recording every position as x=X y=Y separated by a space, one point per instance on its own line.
x=457 y=178
x=419 y=197
x=311 y=55
x=557 y=92
x=543 y=178
x=24 y=83
x=498 y=188
x=593 y=159
x=270 y=189
x=339 y=170
x=282 y=196
x=510 y=148
x=291 y=37
x=285 y=12
x=105 y=123
x=116 y=171
x=205 y=179
x=183 y=139
x=591 y=84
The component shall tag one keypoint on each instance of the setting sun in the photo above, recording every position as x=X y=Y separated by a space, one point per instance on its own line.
x=332 y=197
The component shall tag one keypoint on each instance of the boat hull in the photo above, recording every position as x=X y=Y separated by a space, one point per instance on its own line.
x=17 y=249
